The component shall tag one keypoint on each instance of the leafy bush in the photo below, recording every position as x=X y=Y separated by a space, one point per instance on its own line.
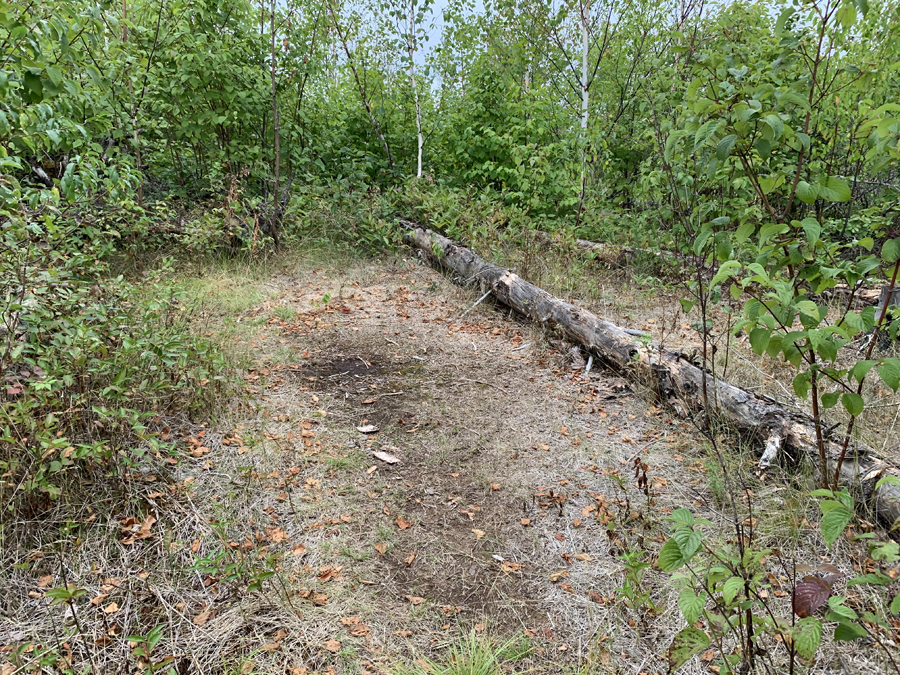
x=92 y=365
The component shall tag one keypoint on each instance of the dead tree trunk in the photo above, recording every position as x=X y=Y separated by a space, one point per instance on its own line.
x=669 y=373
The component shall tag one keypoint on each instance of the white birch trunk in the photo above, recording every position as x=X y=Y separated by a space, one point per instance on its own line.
x=415 y=87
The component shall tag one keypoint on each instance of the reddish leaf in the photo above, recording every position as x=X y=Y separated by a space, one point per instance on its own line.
x=809 y=595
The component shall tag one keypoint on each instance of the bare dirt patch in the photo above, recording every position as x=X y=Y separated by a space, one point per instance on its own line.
x=494 y=516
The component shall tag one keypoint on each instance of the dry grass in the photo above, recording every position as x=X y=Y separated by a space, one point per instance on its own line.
x=286 y=545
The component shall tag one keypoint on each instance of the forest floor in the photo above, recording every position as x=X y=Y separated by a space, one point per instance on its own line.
x=508 y=461
x=406 y=475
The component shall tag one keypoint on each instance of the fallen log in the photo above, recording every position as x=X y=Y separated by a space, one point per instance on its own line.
x=671 y=374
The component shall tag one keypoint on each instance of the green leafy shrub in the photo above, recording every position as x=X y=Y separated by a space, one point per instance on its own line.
x=92 y=365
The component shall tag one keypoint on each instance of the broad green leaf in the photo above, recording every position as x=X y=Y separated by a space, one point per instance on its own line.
x=847 y=632
x=890 y=250
x=688 y=541
x=801 y=383
x=874 y=578
x=809 y=308
x=889 y=371
x=813 y=229
x=731 y=588
x=670 y=557
x=723 y=149
x=807 y=192
x=783 y=18
x=725 y=270
x=687 y=643
x=830 y=399
x=807 y=634
x=775 y=124
x=834 y=523
x=759 y=339
x=691 y=605
x=853 y=403
x=744 y=232
x=705 y=132
x=682 y=516
x=847 y=15
x=767 y=184
x=835 y=190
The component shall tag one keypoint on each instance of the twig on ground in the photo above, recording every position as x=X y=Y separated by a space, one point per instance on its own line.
x=475 y=305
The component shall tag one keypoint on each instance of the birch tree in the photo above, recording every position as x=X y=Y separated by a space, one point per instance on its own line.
x=408 y=18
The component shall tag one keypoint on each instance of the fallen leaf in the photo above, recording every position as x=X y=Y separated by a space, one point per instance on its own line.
x=98 y=600
x=202 y=618
x=248 y=667
x=111 y=608
x=509 y=567
x=360 y=631
x=479 y=533
x=525 y=522
x=583 y=557
x=370 y=401
x=385 y=457
x=556 y=576
x=276 y=534
x=576 y=522
x=332 y=646
x=45 y=581
x=298 y=550
x=415 y=600
x=381 y=547
x=403 y=523
x=409 y=560
x=708 y=655
x=403 y=633
x=367 y=429
x=479 y=627
x=350 y=620
x=137 y=529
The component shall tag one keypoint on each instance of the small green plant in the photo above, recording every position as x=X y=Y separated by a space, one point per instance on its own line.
x=475 y=655
x=634 y=592
x=142 y=648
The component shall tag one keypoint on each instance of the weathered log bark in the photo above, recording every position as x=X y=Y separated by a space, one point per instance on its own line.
x=670 y=373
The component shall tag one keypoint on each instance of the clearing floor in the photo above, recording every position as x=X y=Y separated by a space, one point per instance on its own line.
x=505 y=463
x=405 y=469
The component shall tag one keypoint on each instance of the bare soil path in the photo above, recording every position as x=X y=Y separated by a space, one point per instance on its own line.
x=494 y=516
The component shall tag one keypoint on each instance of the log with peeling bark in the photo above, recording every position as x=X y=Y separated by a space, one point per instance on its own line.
x=671 y=374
